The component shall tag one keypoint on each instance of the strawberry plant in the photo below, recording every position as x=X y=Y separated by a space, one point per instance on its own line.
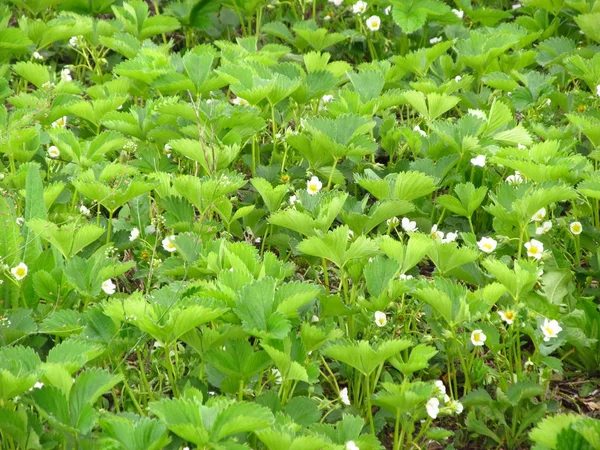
x=307 y=224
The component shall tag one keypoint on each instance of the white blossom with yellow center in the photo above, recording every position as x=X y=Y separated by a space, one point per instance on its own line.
x=53 y=151
x=380 y=319
x=539 y=215
x=575 y=228
x=373 y=23
x=535 y=249
x=313 y=185
x=478 y=338
x=507 y=316
x=359 y=7
x=20 y=271
x=550 y=329
x=168 y=244
x=487 y=244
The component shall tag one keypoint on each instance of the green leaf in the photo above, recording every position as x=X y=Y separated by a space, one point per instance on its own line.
x=69 y=239
x=412 y=185
x=589 y=25
x=257 y=309
x=272 y=196
x=35 y=208
x=32 y=72
x=546 y=432
x=364 y=358
x=88 y=387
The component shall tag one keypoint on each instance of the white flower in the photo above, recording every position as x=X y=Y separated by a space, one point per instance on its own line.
x=359 y=7
x=435 y=40
x=508 y=316
x=521 y=146
x=548 y=102
x=433 y=407
x=478 y=161
x=344 y=397
x=326 y=98
x=487 y=244
x=109 y=287
x=150 y=229
x=535 y=249
x=278 y=377
x=37 y=55
x=480 y=115
x=394 y=222
x=373 y=23
x=20 y=221
x=575 y=228
x=478 y=338
x=455 y=407
x=380 y=319
x=187 y=448
x=550 y=328
x=65 y=75
x=314 y=318
x=240 y=101
x=417 y=128
x=350 y=234
x=53 y=151
x=350 y=445
x=388 y=10
x=598 y=90
x=60 y=122
x=38 y=385
x=458 y=13
x=85 y=211
x=336 y=2
x=135 y=232
x=514 y=179
x=435 y=234
x=539 y=215
x=293 y=200
x=313 y=185
x=457 y=78
x=405 y=277
x=440 y=387
x=168 y=244
x=546 y=226
x=409 y=225
x=20 y=271
x=450 y=237
x=74 y=41
x=516 y=6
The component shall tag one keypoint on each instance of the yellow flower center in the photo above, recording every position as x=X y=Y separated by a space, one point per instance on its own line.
x=477 y=337
x=576 y=228
x=170 y=245
x=20 y=272
x=509 y=315
x=549 y=331
x=533 y=250
x=487 y=246
x=312 y=187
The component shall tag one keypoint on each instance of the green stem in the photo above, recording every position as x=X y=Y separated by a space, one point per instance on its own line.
x=335 y=161
x=367 y=394
x=325 y=275
x=109 y=229
x=396 y=445
x=143 y=374
x=171 y=371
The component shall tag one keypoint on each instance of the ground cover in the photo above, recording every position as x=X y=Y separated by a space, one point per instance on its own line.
x=258 y=224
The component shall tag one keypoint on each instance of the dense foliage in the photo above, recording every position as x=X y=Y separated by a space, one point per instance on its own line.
x=305 y=225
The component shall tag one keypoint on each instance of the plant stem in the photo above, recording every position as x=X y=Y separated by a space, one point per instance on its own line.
x=367 y=394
